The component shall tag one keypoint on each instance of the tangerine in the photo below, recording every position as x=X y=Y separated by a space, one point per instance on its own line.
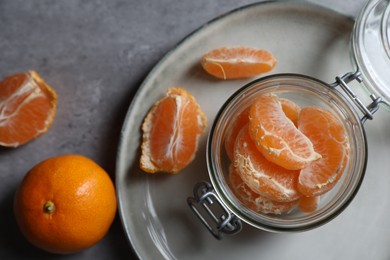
x=276 y=136
x=255 y=201
x=237 y=62
x=27 y=108
x=171 y=132
x=290 y=108
x=330 y=139
x=233 y=130
x=308 y=204
x=262 y=176
x=65 y=204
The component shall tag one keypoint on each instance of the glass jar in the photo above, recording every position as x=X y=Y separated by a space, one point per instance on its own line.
x=371 y=47
x=216 y=204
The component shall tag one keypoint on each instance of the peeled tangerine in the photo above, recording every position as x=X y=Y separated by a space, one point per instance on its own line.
x=255 y=201
x=276 y=136
x=27 y=108
x=285 y=156
x=330 y=139
x=171 y=132
x=262 y=176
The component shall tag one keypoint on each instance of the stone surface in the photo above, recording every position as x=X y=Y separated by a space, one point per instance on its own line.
x=95 y=54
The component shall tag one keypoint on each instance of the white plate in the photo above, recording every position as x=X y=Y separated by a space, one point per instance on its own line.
x=159 y=224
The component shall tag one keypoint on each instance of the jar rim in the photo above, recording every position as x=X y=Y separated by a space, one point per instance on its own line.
x=385 y=28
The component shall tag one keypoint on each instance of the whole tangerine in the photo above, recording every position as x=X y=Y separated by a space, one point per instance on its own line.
x=65 y=204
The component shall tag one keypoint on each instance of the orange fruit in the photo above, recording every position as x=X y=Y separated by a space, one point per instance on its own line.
x=330 y=139
x=171 y=132
x=27 y=108
x=276 y=136
x=255 y=201
x=262 y=176
x=65 y=204
x=289 y=108
x=237 y=62
x=233 y=130
x=308 y=204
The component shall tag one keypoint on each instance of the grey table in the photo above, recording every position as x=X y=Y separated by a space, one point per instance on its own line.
x=95 y=54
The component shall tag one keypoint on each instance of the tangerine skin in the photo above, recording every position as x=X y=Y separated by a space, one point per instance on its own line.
x=84 y=202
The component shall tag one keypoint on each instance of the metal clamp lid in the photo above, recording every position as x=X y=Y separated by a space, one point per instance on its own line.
x=211 y=211
x=369 y=111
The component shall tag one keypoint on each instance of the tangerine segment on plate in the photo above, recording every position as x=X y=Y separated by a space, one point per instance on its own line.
x=330 y=139
x=262 y=176
x=171 y=132
x=27 y=108
x=276 y=136
x=290 y=108
x=237 y=62
x=65 y=204
x=255 y=201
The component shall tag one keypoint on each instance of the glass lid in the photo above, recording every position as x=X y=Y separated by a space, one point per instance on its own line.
x=371 y=47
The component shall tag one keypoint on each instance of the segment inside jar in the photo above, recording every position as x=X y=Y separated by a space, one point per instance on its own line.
x=285 y=157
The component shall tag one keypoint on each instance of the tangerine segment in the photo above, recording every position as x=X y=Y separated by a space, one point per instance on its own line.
x=290 y=108
x=262 y=176
x=27 y=108
x=309 y=204
x=330 y=139
x=233 y=130
x=255 y=201
x=276 y=136
x=171 y=132
x=237 y=62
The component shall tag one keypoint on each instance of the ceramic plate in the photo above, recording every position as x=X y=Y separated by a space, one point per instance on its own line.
x=305 y=39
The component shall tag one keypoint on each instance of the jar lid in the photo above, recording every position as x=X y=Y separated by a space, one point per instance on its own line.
x=371 y=47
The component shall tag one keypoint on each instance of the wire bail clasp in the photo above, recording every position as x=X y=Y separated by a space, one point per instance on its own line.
x=369 y=111
x=210 y=210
